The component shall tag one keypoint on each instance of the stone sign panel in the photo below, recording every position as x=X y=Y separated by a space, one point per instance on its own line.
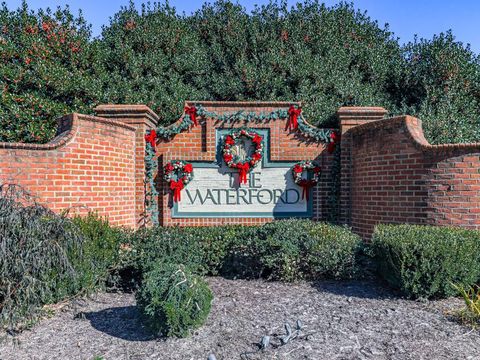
x=215 y=190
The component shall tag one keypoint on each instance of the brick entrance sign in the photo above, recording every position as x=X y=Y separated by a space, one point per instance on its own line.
x=382 y=171
x=214 y=196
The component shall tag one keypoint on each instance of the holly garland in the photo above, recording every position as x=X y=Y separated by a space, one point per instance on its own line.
x=313 y=176
x=151 y=193
x=232 y=160
x=295 y=121
x=184 y=174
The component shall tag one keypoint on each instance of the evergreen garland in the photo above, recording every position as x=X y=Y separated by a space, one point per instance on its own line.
x=151 y=193
x=230 y=118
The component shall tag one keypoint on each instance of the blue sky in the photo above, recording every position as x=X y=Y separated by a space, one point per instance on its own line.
x=406 y=17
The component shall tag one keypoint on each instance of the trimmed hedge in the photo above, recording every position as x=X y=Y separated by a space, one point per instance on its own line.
x=286 y=250
x=290 y=250
x=173 y=300
x=424 y=261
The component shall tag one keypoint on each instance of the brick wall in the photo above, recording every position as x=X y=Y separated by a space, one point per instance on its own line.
x=90 y=165
x=398 y=177
x=199 y=144
x=389 y=172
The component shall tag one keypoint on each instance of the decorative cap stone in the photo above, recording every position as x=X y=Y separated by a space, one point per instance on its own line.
x=351 y=116
x=362 y=112
x=132 y=114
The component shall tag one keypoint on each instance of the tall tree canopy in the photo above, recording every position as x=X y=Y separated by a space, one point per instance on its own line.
x=326 y=57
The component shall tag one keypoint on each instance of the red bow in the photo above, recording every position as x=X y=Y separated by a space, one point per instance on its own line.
x=192 y=112
x=151 y=137
x=256 y=156
x=335 y=136
x=293 y=117
x=243 y=170
x=176 y=187
x=306 y=186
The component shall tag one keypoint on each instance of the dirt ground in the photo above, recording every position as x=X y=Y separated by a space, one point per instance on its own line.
x=341 y=320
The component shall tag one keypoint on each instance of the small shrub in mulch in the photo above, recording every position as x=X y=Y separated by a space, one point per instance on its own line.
x=173 y=300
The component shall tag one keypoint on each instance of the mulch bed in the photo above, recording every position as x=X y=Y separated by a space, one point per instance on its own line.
x=341 y=320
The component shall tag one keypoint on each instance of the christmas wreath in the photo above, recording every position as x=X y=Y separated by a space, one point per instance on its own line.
x=184 y=174
x=313 y=176
x=250 y=161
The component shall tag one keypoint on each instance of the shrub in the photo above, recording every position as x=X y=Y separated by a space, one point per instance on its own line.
x=423 y=261
x=102 y=260
x=290 y=250
x=280 y=247
x=286 y=250
x=332 y=252
x=35 y=250
x=173 y=300
x=45 y=72
x=51 y=65
x=215 y=243
x=47 y=257
x=243 y=255
x=173 y=245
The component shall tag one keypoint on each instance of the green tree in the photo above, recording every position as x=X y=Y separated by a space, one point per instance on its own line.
x=44 y=71
x=326 y=57
x=441 y=86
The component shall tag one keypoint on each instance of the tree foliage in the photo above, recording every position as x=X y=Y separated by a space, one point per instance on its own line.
x=326 y=57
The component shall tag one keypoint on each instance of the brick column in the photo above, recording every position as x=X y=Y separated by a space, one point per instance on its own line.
x=142 y=118
x=348 y=118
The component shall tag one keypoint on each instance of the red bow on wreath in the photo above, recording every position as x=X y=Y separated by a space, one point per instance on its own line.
x=243 y=170
x=151 y=137
x=293 y=114
x=176 y=187
x=192 y=112
x=306 y=186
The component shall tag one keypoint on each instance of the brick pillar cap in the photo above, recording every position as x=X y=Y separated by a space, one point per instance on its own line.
x=359 y=111
x=127 y=111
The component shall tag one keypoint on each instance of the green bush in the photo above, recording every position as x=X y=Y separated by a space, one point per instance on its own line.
x=215 y=243
x=47 y=257
x=332 y=252
x=35 y=252
x=173 y=300
x=102 y=260
x=423 y=261
x=281 y=247
x=302 y=249
x=286 y=250
x=45 y=72
x=173 y=245
x=51 y=66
